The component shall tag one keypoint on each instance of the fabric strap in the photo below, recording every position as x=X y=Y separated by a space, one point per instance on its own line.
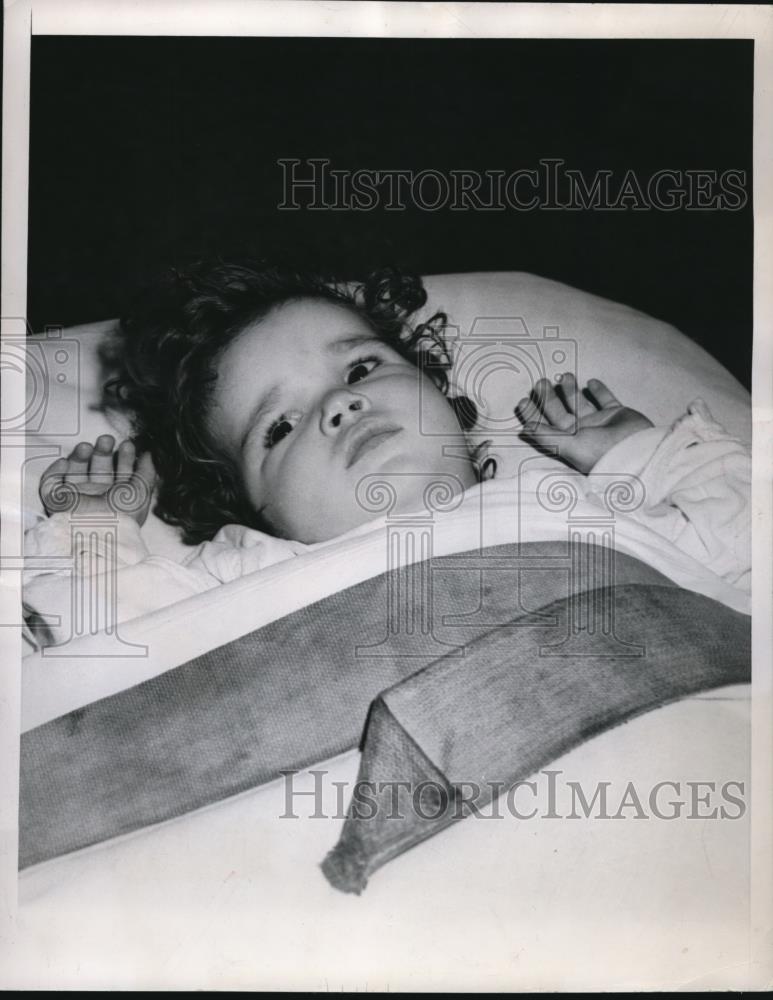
x=460 y=732
x=292 y=693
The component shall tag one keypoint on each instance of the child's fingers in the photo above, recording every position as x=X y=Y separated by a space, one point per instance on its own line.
x=575 y=401
x=78 y=461
x=124 y=464
x=602 y=395
x=53 y=475
x=528 y=413
x=56 y=469
x=550 y=404
x=101 y=463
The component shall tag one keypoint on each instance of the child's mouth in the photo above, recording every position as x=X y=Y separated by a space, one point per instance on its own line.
x=365 y=438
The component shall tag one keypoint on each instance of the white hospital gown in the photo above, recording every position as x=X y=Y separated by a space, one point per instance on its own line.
x=696 y=480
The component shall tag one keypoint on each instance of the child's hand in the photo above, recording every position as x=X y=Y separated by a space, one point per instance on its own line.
x=97 y=480
x=581 y=431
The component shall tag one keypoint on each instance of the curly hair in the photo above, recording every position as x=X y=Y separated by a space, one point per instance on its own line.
x=168 y=350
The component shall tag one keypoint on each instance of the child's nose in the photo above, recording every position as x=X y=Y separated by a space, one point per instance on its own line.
x=341 y=408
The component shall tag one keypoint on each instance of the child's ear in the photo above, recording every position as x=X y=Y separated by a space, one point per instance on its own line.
x=466 y=411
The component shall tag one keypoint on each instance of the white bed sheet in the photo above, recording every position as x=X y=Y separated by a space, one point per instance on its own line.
x=232 y=895
x=64 y=678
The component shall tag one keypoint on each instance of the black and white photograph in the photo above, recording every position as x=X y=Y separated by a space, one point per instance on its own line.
x=386 y=482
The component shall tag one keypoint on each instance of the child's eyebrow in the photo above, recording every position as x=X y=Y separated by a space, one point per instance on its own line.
x=347 y=343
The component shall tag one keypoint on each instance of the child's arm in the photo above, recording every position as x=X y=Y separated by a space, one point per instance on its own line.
x=96 y=499
x=696 y=477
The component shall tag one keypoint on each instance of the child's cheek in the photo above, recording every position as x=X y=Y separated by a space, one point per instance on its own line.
x=254 y=472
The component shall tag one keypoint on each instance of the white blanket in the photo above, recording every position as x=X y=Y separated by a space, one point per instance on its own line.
x=685 y=512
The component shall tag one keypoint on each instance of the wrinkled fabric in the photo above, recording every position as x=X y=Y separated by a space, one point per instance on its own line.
x=696 y=482
x=517 y=701
x=286 y=695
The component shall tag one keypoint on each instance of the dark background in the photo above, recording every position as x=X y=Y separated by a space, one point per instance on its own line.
x=146 y=151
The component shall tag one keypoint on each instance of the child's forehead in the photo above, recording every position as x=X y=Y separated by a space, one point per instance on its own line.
x=313 y=325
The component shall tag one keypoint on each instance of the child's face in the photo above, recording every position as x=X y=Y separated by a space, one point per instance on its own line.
x=308 y=401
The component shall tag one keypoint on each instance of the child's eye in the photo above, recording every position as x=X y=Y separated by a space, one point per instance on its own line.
x=361 y=368
x=278 y=430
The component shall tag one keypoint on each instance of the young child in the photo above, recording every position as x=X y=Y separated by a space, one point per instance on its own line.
x=262 y=397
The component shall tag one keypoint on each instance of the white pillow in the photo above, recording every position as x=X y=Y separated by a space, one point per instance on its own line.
x=514 y=327
x=507 y=329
